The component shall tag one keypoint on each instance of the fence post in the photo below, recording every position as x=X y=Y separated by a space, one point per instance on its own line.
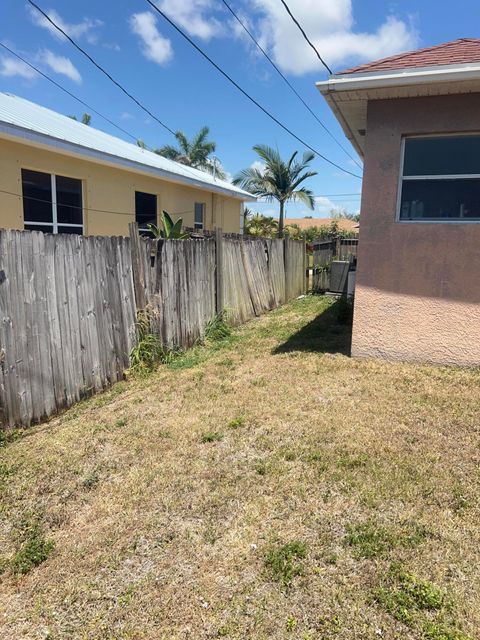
x=138 y=266
x=305 y=264
x=286 y=267
x=219 y=271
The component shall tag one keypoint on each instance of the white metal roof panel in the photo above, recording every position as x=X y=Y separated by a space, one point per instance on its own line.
x=19 y=117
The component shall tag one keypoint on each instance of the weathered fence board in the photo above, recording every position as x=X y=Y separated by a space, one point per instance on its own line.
x=69 y=305
x=294 y=268
x=67 y=320
x=324 y=252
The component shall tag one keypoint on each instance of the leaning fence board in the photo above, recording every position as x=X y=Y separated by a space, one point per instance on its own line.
x=69 y=305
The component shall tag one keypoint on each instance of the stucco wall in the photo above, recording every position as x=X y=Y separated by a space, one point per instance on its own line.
x=108 y=189
x=418 y=284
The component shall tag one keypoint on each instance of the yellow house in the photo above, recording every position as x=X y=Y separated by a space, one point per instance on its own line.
x=61 y=176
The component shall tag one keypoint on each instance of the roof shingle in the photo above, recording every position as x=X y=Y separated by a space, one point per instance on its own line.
x=463 y=50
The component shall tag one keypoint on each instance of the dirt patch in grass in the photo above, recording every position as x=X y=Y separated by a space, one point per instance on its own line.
x=262 y=486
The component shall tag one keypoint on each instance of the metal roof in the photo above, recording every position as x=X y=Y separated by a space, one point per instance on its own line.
x=35 y=124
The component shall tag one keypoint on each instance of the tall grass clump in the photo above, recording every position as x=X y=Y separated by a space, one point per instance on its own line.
x=148 y=352
x=218 y=328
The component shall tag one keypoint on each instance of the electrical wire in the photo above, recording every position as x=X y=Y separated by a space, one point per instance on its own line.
x=288 y=83
x=287 y=9
x=99 y=67
x=72 y=95
x=81 y=208
x=244 y=92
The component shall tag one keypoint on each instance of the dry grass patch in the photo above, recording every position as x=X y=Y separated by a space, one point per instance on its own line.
x=261 y=486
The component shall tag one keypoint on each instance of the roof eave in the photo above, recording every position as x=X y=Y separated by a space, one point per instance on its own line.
x=342 y=91
x=33 y=138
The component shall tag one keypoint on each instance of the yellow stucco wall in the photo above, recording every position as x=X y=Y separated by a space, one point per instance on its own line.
x=108 y=189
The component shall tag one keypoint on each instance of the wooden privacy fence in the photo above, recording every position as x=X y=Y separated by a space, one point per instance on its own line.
x=69 y=303
x=324 y=251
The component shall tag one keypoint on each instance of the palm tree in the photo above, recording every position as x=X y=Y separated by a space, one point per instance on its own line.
x=279 y=180
x=193 y=153
x=85 y=119
x=260 y=225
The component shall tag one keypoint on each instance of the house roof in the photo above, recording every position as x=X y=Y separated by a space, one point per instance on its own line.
x=463 y=50
x=305 y=223
x=449 y=68
x=32 y=124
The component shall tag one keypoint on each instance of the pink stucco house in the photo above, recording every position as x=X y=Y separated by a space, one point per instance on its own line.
x=415 y=119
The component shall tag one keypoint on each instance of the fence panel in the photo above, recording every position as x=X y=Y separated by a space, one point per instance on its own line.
x=294 y=268
x=69 y=304
x=68 y=315
x=180 y=288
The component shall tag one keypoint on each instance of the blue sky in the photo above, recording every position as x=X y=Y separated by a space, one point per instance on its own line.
x=143 y=52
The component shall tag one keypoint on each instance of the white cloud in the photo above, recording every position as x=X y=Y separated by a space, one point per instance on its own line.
x=330 y=26
x=10 y=67
x=60 y=64
x=324 y=205
x=85 y=28
x=259 y=165
x=155 y=47
x=191 y=16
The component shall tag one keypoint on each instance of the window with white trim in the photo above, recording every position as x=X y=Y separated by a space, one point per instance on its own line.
x=440 y=178
x=145 y=211
x=199 y=215
x=51 y=203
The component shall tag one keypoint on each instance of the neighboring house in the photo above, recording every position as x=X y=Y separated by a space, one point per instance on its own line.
x=415 y=119
x=77 y=179
x=344 y=224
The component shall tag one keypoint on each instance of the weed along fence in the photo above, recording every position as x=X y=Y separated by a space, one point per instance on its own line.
x=69 y=305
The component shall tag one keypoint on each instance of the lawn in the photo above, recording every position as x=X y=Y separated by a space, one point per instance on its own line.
x=263 y=486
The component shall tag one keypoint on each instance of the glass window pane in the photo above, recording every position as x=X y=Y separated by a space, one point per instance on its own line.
x=45 y=228
x=440 y=199
x=78 y=230
x=446 y=155
x=145 y=209
x=199 y=211
x=37 y=196
x=69 y=200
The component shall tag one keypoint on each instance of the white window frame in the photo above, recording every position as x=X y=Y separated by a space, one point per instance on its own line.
x=401 y=178
x=199 y=226
x=55 y=224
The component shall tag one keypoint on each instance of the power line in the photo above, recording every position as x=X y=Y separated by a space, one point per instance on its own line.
x=81 y=208
x=258 y=45
x=287 y=8
x=100 y=68
x=247 y=95
x=59 y=86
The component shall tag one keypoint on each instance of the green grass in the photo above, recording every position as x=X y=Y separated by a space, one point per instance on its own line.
x=34 y=550
x=212 y=436
x=370 y=539
x=284 y=562
x=191 y=501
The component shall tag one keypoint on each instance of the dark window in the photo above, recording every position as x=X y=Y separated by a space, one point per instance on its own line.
x=199 y=215
x=37 y=197
x=145 y=211
x=430 y=189
x=69 y=200
x=42 y=212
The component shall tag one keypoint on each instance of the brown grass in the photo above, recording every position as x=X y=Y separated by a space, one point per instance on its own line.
x=331 y=483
